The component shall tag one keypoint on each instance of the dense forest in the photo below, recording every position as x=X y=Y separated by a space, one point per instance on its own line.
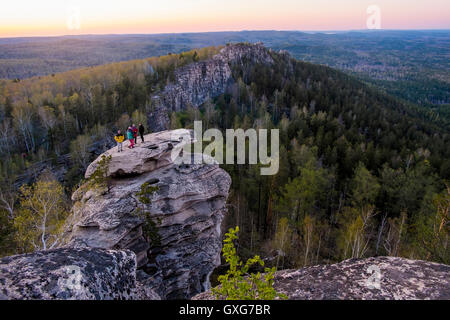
x=412 y=65
x=361 y=173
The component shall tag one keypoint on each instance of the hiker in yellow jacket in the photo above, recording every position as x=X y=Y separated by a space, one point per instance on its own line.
x=119 y=137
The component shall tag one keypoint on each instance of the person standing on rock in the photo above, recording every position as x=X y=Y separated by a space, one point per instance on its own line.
x=141 y=131
x=135 y=132
x=119 y=137
x=130 y=137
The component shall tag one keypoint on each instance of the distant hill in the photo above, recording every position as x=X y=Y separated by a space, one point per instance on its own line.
x=413 y=65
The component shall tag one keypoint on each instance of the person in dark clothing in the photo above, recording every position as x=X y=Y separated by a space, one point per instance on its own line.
x=141 y=131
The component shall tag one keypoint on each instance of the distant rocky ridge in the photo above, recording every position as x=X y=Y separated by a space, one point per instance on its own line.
x=377 y=278
x=197 y=82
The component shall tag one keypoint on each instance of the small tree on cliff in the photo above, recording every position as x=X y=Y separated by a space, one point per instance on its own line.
x=100 y=178
x=149 y=228
x=237 y=283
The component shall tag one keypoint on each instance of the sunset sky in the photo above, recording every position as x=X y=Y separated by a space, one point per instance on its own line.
x=61 y=17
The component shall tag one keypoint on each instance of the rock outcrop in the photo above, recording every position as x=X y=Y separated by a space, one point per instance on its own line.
x=197 y=82
x=378 y=278
x=186 y=214
x=69 y=273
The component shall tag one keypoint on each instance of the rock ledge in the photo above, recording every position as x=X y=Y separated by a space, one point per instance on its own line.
x=398 y=279
x=81 y=274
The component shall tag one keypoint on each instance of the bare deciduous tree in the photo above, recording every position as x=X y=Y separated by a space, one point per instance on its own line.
x=79 y=149
x=22 y=114
x=43 y=209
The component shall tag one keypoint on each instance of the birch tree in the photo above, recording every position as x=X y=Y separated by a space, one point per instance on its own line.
x=79 y=149
x=22 y=114
x=43 y=209
x=356 y=220
x=394 y=234
x=282 y=240
x=7 y=201
x=5 y=135
x=48 y=119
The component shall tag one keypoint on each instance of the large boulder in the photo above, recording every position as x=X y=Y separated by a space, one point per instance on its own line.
x=70 y=273
x=186 y=212
x=378 y=278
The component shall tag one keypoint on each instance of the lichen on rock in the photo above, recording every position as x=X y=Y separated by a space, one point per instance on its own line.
x=70 y=273
x=376 y=278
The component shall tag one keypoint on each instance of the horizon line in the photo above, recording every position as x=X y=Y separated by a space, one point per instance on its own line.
x=222 y=31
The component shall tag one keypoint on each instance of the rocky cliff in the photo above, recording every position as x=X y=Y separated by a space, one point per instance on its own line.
x=186 y=213
x=378 y=278
x=197 y=82
x=128 y=248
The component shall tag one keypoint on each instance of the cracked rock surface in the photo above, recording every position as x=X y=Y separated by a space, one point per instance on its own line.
x=69 y=273
x=377 y=278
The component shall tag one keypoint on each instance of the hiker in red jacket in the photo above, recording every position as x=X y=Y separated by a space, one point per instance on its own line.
x=130 y=137
x=135 y=132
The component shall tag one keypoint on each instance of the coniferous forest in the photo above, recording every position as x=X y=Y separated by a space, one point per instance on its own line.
x=362 y=173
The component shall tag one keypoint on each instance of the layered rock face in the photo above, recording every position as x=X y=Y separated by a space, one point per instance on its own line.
x=187 y=211
x=197 y=82
x=378 y=278
x=70 y=274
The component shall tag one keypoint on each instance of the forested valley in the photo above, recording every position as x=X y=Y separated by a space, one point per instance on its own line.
x=410 y=64
x=361 y=172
